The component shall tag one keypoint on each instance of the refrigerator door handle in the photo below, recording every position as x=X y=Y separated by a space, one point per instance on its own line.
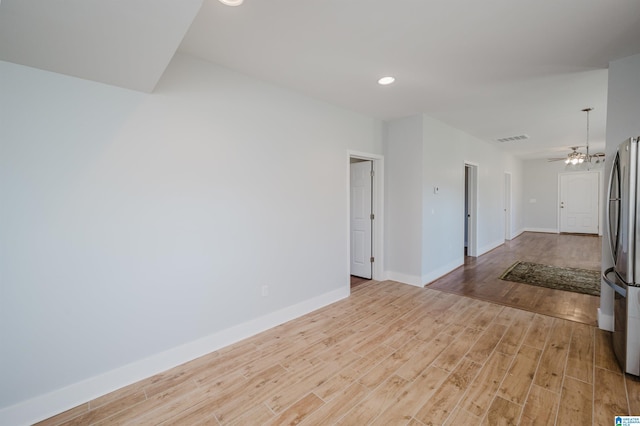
x=613 y=285
x=607 y=211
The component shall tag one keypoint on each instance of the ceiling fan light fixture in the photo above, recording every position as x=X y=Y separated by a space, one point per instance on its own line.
x=576 y=157
x=385 y=81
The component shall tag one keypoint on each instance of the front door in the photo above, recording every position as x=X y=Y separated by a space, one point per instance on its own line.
x=579 y=202
x=361 y=218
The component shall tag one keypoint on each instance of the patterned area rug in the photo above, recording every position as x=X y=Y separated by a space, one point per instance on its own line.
x=568 y=279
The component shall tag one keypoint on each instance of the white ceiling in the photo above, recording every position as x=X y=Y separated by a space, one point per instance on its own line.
x=494 y=68
x=126 y=43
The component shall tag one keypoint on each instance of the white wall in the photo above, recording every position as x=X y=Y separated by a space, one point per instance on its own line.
x=444 y=151
x=137 y=230
x=541 y=192
x=403 y=202
x=623 y=122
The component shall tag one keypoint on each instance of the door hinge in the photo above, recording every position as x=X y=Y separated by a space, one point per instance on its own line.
x=372 y=216
x=371 y=259
x=373 y=173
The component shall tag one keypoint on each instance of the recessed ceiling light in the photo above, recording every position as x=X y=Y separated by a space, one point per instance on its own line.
x=231 y=2
x=386 y=80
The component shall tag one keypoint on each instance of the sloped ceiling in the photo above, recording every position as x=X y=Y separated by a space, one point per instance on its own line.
x=126 y=43
x=493 y=68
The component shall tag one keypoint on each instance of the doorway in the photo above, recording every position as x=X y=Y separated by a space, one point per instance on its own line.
x=507 y=206
x=361 y=219
x=470 y=209
x=579 y=203
x=366 y=251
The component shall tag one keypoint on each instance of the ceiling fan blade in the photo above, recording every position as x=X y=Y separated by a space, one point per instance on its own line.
x=556 y=159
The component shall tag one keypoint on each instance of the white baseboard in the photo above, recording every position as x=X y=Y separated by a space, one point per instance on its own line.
x=441 y=271
x=487 y=248
x=545 y=230
x=404 y=278
x=45 y=406
x=605 y=322
x=517 y=233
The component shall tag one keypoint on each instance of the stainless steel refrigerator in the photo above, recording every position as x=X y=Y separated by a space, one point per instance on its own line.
x=623 y=215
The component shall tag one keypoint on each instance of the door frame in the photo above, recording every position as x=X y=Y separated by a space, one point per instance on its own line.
x=364 y=222
x=377 y=232
x=471 y=189
x=507 y=206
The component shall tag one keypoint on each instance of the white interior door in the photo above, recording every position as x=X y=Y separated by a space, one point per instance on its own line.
x=579 y=202
x=361 y=218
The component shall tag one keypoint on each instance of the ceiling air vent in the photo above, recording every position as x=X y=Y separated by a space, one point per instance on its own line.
x=513 y=138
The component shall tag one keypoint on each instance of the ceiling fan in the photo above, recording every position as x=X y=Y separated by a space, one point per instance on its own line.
x=576 y=157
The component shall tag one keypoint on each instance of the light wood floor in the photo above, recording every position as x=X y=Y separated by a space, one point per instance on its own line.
x=390 y=354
